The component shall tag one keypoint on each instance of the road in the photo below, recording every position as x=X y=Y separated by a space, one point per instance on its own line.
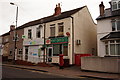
x=12 y=73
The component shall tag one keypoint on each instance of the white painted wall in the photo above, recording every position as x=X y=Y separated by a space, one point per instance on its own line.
x=33 y=48
x=67 y=28
x=33 y=31
x=84 y=30
x=34 y=58
x=104 y=27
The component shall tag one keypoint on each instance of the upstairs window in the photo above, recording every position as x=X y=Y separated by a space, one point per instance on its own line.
x=115 y=5
x=52 y=30
x=29 y=34
x=60 y=29
x=116 y=25
x=16 y=37
x=38 y=31
x=119 y=4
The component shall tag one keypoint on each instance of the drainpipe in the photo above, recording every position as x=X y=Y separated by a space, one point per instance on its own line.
x=72 y=38
x=44 y=43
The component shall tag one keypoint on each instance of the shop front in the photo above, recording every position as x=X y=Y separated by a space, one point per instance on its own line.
x=32 y=50
x=55 y=47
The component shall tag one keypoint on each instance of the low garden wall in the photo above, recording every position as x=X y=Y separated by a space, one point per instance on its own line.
x=102 y=64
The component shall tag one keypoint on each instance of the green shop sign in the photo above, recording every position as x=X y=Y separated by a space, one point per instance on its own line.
x=59 y=40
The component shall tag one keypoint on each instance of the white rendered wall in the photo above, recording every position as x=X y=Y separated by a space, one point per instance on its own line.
x=104 y=27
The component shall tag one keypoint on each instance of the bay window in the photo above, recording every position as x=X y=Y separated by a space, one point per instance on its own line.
x=112 y=47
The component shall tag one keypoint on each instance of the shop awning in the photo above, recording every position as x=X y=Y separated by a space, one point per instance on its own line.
x=112 y=35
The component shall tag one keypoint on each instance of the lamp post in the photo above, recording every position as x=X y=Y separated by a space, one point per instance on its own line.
x=15 y=33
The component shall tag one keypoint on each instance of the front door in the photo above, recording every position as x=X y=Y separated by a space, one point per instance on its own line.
x=50 y=52
x=26 y=53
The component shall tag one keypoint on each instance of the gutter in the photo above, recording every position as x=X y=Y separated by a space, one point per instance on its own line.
x=72 y=38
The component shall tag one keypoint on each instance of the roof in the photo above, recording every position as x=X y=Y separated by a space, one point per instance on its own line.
x=112 y=35
x=51 y=18
x=108 y=13
x=5 y=34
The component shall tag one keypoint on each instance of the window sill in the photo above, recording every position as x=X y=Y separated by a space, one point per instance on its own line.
x=112 y=55
x=52 y=37
x=115 y=9
x=60 y=36
x=116 y=31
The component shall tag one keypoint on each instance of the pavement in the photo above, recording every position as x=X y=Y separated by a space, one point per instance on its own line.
x=70 y=72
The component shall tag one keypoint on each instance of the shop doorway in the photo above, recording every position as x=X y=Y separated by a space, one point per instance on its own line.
x=26 y=53
x=50 y=52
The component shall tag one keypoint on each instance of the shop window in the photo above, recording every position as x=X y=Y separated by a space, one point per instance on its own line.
x=65 y=50
x=38 y=31
x=113 y=47
x=60 y=29
x=115 y=25
x=29 y=34
x=56 y=50
x=52 y=30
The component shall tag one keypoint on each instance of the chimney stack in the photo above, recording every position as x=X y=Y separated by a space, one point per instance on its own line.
x=12 y=27
x=101 y=6
x=57 y=10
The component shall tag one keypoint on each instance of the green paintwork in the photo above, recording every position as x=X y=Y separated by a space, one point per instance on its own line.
x=59 y=40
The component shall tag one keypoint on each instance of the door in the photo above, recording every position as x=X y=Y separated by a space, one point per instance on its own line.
x=26 y=53
x=49 y=53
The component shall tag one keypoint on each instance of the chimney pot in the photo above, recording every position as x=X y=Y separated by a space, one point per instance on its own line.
x=12 y=27
x=57 y=10
x=101 y=6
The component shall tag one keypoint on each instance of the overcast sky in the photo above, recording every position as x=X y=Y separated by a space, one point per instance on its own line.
x=30 y=10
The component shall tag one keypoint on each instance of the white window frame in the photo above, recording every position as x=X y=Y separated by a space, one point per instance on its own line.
x=28 y=34
x=40 y=29
x=48 y=50
x=109 y=43
x=16 y=37
x=117 y=3
x=60 y=25
x=116 y=27
x=52 y=26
